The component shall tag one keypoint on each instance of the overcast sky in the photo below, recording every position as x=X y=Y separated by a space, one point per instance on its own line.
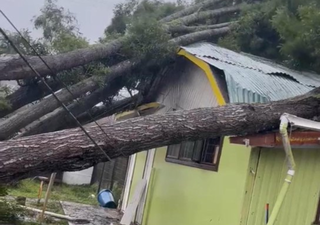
x=93 y=15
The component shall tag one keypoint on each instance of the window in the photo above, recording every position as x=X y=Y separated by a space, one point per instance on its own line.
x=202 y=154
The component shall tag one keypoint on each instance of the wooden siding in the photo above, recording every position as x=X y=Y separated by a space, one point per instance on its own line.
x=185 y=87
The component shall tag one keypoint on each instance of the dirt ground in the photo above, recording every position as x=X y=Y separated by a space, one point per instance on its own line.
x=95 y=214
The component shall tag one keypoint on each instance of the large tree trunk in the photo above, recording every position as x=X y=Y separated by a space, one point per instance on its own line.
x=60 y=119
x=15 y=69
x=28 y=94
x=21 y=119
x=70 y=150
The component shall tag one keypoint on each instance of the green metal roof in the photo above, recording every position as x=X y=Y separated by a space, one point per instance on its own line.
x=253 y=79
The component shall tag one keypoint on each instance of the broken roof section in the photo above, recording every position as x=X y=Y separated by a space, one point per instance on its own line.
x=253 y=79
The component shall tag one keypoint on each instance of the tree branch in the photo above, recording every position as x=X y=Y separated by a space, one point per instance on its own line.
x=199 y=16
x=192 y=29
x=28 y=94
x=189 y=10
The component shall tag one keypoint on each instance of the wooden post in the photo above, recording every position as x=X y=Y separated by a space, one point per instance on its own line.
x=40 y=191
x=51 y=182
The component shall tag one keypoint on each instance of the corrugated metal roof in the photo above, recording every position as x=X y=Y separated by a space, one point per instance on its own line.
x=253 y=79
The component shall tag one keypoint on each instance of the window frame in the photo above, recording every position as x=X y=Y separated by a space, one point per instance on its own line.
x=200 y=165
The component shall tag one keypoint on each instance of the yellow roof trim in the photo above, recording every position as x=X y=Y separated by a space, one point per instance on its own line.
x=136 y=112
x=207 y=70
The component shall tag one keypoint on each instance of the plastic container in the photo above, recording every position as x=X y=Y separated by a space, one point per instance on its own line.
x=106 y=200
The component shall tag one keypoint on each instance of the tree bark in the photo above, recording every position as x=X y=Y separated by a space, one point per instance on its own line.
x=60 y=119
x=200 y=36
x=199 y=16
x=21 y=119
x=28 y=94
x=191 y=29
x=70 y=150
x=16 y=68
x=189 y=10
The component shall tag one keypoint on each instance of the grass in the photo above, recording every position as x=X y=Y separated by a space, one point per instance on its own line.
x=84 y=194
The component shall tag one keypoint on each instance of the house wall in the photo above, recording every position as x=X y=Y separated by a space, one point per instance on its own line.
x=184 y=195
x=300 y=204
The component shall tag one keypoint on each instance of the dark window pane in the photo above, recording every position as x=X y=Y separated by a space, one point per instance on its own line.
x=173 y=151
x=210 y=152
x=186 y=150
x=197 y=152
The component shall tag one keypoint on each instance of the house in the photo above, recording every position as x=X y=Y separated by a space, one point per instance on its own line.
x=223 y=182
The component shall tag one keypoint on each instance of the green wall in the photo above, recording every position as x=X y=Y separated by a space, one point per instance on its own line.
x=300 y=204
x=138 y=171
x=190 y=196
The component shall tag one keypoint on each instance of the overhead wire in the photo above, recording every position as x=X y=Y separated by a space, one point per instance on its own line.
x=52 y=72
x=63 y=84
x=52 y=92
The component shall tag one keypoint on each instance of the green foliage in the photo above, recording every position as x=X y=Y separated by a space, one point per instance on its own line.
x=6 y=48
x=69 y=42
x=126 y=13
x=254 y=33
x=145 y=38
x=147 y=41
x=4 y=104
x=59 y=28
x=9 y=212
x=73 y=193
x=300 y=34
x=282 y=30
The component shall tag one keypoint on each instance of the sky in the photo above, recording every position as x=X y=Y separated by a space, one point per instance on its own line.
x=93 y=15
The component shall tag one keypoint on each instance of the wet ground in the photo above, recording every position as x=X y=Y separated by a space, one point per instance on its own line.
x=95 y=214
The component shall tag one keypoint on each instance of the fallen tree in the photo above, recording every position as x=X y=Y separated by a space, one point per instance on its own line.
x=70 y=150
x=21 y=119
x=15 y=68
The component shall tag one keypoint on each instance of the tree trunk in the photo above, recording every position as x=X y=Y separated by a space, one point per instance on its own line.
x=192 y=29
x=14 y=69
x=70 y=150
x=200 y=16
x=28 y=94
x=200 y=36
x=60 y=119
x=21 y=119
x=189 y=10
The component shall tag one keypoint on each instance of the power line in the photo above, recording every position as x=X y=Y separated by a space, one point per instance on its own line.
x=53 y=73
x=52 y=92
x=65 y=86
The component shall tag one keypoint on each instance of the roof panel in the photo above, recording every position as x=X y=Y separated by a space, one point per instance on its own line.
x=253 y=79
